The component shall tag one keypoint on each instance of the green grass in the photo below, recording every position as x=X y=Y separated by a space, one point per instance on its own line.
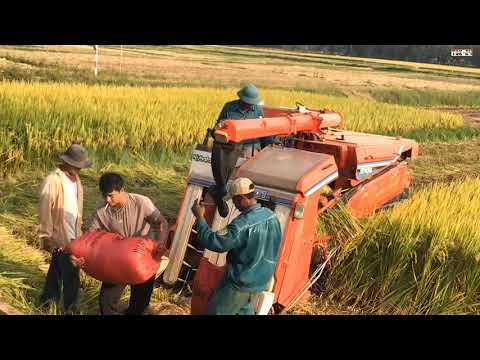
x=68 y=74
x=291 y=58
x=28 y=61
x=372 y=274
x=442 y=135
x=286 y=58
x=427 y=97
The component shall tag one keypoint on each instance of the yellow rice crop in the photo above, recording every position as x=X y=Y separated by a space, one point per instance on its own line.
x=421 y=257
x=39 y=119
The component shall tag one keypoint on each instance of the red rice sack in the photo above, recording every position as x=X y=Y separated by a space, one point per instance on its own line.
x=113 y=259
x=207 y=278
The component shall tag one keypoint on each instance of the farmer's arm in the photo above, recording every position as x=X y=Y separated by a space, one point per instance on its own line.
x=156 y=220
x=45 y=214
x=223 y=114
x=159 y=225
x=220 y=241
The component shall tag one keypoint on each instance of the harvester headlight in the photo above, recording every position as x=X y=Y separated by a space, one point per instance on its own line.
x=299 y=208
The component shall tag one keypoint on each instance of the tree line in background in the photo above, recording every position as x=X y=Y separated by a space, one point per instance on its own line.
x=434 y=54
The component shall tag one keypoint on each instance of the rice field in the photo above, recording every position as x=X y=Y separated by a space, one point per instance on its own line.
x=419 y=258
x=422 y=257
x=41 y=119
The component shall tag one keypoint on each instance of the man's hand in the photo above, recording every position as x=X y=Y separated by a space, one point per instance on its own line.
x=77 y=262
x=198 y=209
x=160 y=252
x=47 y=244
x=163 y=234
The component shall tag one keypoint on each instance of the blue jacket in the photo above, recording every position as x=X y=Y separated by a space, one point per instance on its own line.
x=231 y=110
x=252 y=240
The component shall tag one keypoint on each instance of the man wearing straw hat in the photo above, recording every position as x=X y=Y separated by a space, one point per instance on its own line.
x=248 y=106
x=252 y=240
x=60 y=217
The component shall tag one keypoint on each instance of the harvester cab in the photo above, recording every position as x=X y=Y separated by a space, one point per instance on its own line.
x=298 y=179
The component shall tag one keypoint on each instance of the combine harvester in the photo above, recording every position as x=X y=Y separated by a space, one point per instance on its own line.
x=365 y=171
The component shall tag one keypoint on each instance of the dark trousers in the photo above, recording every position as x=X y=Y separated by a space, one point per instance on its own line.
x=62 y=272
x=139 y=297
x=226 y=300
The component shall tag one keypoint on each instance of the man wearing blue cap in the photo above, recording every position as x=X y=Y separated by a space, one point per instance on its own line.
x=248 y=106
x=253 y=242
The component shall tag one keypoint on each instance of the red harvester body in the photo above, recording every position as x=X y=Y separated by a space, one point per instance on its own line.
x=366 y=171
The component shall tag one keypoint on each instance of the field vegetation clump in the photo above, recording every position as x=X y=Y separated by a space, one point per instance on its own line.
x=422 y=257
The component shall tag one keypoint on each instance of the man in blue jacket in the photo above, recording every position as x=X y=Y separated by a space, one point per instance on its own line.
x=252 y=241
x=248 y=106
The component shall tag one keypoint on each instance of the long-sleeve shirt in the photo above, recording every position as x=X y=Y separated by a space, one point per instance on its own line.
x=252 y=240
x=232 y=110
x=52 y=212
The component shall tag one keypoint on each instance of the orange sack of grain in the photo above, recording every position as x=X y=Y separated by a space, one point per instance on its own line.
x=113 y=259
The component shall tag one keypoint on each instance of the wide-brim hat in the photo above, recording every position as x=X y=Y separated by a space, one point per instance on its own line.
x=250 y=95
x=76 y=156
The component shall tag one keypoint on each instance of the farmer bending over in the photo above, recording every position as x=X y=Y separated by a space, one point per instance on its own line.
x=129 y=215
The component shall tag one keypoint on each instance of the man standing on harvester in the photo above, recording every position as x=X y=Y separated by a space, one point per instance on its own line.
x=252 y=241
x=248 y=106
